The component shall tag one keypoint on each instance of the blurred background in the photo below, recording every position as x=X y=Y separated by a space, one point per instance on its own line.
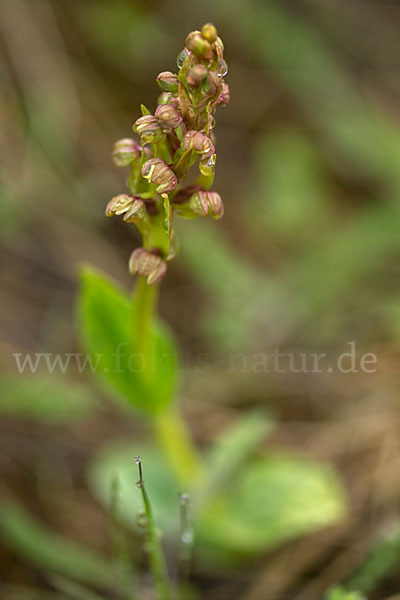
x=306 y=260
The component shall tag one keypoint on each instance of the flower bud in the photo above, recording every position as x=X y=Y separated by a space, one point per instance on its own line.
x=119 y=204
x=168 y=116
x=168 y=82
x=198 y=45
x=205 y=203
x=149 y=129
x=199 y=142
x=225 y=95
x=148 y=265
x=136 y=212
x=125 y=151
x=157 y=171
x=196 y=75
x=209 y=32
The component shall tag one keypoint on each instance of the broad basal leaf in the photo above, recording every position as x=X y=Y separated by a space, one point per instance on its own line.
x=107 y=324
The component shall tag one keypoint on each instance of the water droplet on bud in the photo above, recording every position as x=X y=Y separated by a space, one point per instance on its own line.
x=180 y=59
x=222 y=68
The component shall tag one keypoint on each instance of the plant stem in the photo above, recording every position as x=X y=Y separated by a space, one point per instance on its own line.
x=170 y=429
x=157 y=559
x=145 y=302
x=175 y=439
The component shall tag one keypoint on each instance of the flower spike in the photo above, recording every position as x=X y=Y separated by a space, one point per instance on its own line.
x=172 y=139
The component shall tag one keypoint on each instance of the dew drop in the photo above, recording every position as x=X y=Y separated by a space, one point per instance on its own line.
x=187 y=537
x=180 y=59
x=141 y=519
x=212 y=160
x=222 y=68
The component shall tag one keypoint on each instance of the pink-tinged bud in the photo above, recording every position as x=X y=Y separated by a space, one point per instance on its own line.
x=225 y=95
x=168 y=116
x=199 y=142
x=149 y=129
x=205 y=203
x=209 y=32
x=168 y=82
x=148 y=265
x=198 y=45
x=196 y=75
x=136 y=212
x=125 y=152
x=119 y=204
x=157 y=171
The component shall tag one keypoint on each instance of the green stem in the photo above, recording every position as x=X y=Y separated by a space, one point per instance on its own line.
x=170 y=429
x=176 y=442
x=156 y=554
x=145 y=302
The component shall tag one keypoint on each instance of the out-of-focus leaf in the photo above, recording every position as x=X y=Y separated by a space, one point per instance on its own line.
x=74 y=590
x=235 y=286
x=231 y=450
x=107 y=324
x=120 y=32
x=360 y=246
x=22 y=592
x=49 y=399
x=340 y=593
x=12 y=215
x=49 y=551
x=306 y=65
x=289 y=198
x=266 y=502
x=276 y=498
x=383 y=558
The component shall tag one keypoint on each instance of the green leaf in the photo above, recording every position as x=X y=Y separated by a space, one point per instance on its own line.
x=30 y=539
x=145 y=110
x=382 y=560
x=74 y=590
x=107 y=326
x=43 y=398
x=340 y=593
x=265 y=503
x=232 y=449
x=277 y=497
